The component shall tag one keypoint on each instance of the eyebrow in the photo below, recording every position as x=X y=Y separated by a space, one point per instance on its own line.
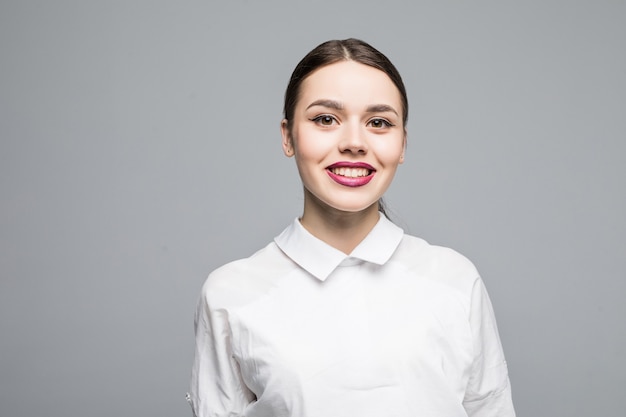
x=381 y=108
x=332 y=104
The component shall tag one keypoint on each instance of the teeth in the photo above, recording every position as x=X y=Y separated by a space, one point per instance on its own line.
x=351 y=172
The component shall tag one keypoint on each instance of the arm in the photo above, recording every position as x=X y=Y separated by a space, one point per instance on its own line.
x=488 y=393
x=217 y=388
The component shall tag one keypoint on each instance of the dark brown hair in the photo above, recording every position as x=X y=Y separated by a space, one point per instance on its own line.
x=341 y=50
x=333 y=51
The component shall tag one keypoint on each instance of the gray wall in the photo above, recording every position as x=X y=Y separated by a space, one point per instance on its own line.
x=140 y=149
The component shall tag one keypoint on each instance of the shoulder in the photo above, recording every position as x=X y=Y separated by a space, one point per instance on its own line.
x=437 y=263
x=239 y=281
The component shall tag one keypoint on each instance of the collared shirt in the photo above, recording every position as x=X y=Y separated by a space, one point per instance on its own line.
x=398 y=328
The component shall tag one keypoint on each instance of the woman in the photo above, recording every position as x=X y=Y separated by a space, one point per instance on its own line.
x=343 y=314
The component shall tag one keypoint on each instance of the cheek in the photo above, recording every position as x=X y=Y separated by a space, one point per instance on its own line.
x=390 y=152
x=308 y=147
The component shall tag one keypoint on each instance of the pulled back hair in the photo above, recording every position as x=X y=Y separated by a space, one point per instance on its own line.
x=334 y=51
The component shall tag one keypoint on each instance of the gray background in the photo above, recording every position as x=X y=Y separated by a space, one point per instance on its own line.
x=140 y=149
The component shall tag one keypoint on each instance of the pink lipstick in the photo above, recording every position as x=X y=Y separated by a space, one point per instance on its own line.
x=351 y=174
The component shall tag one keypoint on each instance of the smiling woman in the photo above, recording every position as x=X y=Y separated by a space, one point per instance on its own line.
x=343 y=314
x=345 y=131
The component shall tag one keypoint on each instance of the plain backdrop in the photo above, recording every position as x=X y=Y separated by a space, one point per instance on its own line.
x=140 y=149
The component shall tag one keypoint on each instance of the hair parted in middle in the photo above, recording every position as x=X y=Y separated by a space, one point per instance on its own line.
x=334 y=51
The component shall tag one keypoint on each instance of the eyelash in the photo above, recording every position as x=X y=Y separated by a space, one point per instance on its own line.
x=318 y=120
x=386 y=122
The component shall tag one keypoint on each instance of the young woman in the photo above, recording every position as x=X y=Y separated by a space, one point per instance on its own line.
x=343 y=315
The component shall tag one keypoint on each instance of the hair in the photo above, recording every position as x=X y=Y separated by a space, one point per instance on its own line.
x=334 y=51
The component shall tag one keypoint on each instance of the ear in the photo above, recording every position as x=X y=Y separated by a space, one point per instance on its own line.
x=403 y=149
x=287 y=142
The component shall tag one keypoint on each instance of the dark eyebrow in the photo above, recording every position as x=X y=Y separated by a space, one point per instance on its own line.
x=381 y=108
x=327 y=103
x=374 y=108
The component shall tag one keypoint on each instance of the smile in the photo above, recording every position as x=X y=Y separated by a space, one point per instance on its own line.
x=351 y=174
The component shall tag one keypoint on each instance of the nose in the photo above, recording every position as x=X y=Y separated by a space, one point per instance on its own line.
x=353 y=140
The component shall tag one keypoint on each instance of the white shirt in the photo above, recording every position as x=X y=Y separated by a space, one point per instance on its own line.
x=398 y=328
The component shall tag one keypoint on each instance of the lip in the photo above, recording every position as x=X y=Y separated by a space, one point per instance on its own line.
x=351 y=181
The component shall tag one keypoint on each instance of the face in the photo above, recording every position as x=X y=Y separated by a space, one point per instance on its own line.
x=347 y=135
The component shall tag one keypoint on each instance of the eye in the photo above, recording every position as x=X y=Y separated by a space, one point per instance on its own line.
x=379 y=123
x=324 y=120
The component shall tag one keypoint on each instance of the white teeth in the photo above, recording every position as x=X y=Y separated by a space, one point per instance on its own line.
x=351 y=172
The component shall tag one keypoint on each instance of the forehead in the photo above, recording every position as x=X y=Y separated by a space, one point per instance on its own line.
x=350 y=83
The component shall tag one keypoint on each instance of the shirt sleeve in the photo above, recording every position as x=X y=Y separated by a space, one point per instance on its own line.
x=488 y=393
x=217 y=388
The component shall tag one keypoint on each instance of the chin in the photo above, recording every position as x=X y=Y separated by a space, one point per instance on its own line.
x=343 y=202
x=354 y=207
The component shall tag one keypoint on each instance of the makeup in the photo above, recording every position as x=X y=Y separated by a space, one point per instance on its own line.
x=351 y=174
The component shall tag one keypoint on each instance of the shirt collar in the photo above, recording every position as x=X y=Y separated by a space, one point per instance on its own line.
x=320 y=259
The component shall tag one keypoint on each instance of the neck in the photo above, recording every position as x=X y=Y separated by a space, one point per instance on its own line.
x=342 y=230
